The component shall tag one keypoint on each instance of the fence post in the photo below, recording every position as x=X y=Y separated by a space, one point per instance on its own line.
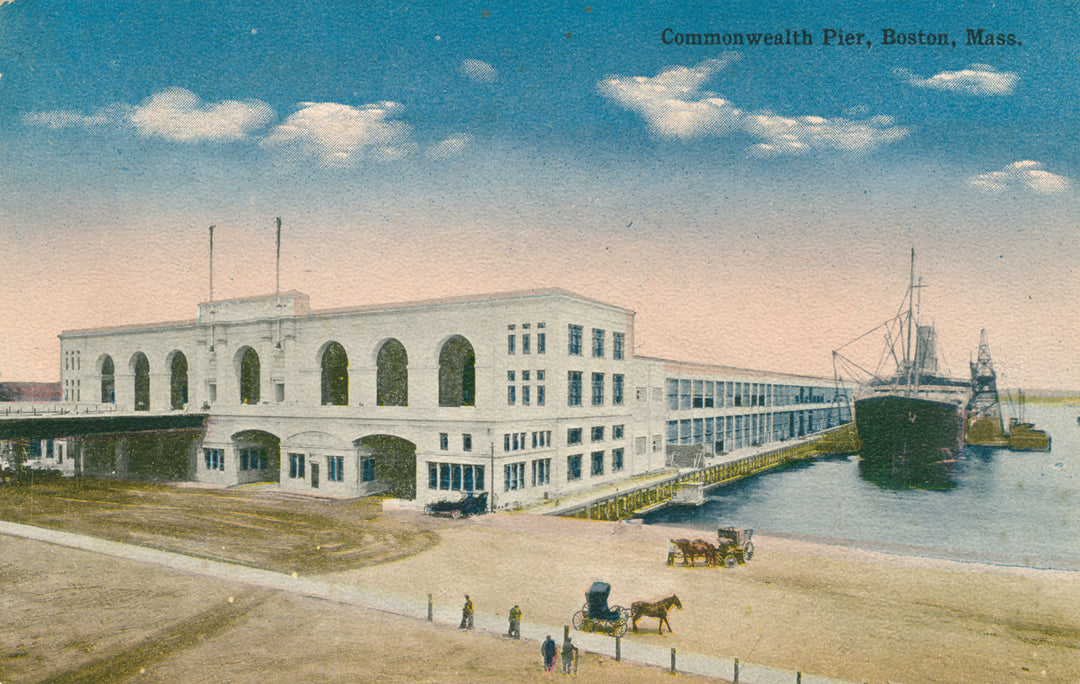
x=798 y=678
x=618 y=649
x=565 y=632
x=672 y=660
x=736 y=679
x=430 y=614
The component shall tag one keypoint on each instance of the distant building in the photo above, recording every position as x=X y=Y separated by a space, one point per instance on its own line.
x=527 y=395
x=30 y=391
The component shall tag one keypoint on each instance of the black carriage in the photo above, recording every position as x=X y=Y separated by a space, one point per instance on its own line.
x=596 y=616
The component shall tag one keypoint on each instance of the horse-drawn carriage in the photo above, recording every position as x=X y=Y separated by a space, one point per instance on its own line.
x=734 y=547
x=596 y=616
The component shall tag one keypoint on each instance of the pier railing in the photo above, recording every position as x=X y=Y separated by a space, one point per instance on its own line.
x=622 y=505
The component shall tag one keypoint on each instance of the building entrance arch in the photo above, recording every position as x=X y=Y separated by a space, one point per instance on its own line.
x=388 y=462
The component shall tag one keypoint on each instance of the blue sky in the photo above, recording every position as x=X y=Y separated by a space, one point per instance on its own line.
x=754 y=205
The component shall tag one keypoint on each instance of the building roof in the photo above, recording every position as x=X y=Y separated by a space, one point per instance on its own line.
x=365 y=308
x=687 y=367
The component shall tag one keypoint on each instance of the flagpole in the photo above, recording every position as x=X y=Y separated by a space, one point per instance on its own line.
x=211 y=263
x=277 y=266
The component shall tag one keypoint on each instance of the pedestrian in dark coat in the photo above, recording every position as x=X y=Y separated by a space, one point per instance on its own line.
x=515 y=623
x=549 y=651
x=568 y=653
x=467 y=613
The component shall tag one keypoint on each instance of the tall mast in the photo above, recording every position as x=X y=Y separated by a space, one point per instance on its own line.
x=910 y=316
x=277 y=265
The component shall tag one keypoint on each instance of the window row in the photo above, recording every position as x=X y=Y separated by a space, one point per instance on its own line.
x=641 y=444
x=458 y=477
x=72 y=360
x=335 y=468
x=574 y=379
x=618 y=343
x=516 y=441
x=692 y=394
x=526 y=338
x=444 y=441
x=514 y=474
x=597 y=464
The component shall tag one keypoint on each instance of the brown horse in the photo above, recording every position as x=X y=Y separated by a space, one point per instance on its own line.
x=658 y=609
x=698 y=547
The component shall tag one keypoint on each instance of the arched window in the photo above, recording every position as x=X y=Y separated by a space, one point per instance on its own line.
x=108 y=381
x=392 y=380
x=457 y=373
x=249 y=377
x=335 y=376
x=140 y=367
x=178 y=382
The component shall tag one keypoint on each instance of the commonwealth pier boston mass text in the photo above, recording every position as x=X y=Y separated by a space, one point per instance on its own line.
x=840 y=37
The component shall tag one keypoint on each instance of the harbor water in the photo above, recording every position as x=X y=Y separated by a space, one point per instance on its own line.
x=989 y=506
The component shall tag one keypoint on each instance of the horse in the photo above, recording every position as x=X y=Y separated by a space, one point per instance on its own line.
x=698 y=547
x=657 y=609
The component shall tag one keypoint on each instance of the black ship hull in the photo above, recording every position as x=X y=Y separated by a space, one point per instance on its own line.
x=915 y=431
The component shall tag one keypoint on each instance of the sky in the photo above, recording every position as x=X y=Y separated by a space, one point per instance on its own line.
x=754 y=200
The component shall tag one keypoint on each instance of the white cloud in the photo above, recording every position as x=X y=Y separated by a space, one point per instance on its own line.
x=339 y=135
x=174 y=114
x=475 y=70
x=977 y=79
x=673 y=105
x=1024 y=174
x=178 y=114
x=449 y=147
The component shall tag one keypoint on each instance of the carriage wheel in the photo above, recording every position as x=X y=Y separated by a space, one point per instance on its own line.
x=729 y=561
x=455 y=514
x=748 y=550
x=624 y=620
x=578 y=620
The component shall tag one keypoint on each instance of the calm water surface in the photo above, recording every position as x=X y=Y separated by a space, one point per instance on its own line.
x=992 y=505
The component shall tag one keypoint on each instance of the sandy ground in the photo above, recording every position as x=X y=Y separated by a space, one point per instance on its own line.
x=830 y=611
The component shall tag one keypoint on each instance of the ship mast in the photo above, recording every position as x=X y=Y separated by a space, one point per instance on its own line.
x=908 y=364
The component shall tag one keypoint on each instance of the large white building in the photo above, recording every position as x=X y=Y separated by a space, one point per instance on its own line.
x=534 y=393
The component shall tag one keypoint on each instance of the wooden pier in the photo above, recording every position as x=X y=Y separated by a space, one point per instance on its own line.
x=623 y=504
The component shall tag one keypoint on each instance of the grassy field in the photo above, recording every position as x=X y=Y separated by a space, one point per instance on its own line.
x=263 y=529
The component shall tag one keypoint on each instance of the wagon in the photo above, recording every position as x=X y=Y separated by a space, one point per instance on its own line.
x=735 y=545
x=596 y=616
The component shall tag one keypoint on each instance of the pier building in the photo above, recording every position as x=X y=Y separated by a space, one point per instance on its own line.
x=527 y=395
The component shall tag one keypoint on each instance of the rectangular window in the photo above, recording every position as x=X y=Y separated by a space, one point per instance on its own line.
x=657 y=444
x=574 y=392
x=699 y=400
x=336 y=466
x=455 y=477
x=673 y=395
x=640 y=445
x=511 y=395
x=709 y=394
x=541 y=342
x=685 y=431
x=540 y=376
x=525 y=375
x=573 y=436
x=506 y=442
x=525 y=395
x=575 y=340
x=598 y=433
x=617 y=389
x=510 y=376
x=597 y=389
x=534 y=440
x=296 y=466
x=541 y=471
x=510 y=344
x=515 y=476
x=467 y=482
x=684 y=394
x=598 y=343
x=539 y=395
x=515 y=442
x=672 y=432
x=524 y=344
x=616 y=460
x=478 y=472
x=432 y=475
x=215 y=459
x=598 y=463
x=444 y=441
x=368 y=466
x=573 y=468
x=444 y=476
x=616 y=431
x=466 y=442
x=617 y=342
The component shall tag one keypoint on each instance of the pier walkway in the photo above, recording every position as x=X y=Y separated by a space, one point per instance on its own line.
x=631 y=498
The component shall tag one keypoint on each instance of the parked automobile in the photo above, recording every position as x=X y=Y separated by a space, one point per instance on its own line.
x=470 y=504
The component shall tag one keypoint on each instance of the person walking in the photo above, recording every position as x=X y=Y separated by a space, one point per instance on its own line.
x=515 y=623
x=467 y=613
x=569 y=654
x=548 y=650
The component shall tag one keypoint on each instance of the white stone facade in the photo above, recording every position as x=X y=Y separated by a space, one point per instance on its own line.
x=537 y=393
